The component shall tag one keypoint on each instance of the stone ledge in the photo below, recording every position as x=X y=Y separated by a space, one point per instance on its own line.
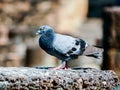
x=26 y=78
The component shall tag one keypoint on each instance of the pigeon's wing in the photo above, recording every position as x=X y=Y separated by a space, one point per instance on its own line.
x=66 y=45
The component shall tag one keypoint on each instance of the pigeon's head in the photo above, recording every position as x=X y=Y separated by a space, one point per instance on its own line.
x=43 y=29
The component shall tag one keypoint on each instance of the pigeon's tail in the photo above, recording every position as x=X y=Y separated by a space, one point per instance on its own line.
x=93 y=51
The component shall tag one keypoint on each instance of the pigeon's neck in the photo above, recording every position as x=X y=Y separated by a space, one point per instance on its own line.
x=46 y=40
x=48 y=35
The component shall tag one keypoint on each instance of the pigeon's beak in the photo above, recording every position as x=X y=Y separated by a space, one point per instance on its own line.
x=38 y=32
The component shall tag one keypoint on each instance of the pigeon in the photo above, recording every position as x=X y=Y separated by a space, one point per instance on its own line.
x=65 y=47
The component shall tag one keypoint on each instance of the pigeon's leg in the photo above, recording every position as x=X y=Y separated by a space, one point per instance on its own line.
x=64 y=65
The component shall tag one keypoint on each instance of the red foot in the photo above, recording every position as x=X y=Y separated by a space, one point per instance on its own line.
x=60 y=67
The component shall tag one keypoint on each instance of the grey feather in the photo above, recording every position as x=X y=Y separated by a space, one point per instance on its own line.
x=64 y=43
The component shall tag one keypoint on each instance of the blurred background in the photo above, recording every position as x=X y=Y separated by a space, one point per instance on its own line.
x=95 y=21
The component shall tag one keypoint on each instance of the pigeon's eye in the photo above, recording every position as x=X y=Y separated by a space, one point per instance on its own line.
x=42 y=28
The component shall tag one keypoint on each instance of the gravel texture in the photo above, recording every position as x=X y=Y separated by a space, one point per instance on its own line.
x=25 y=78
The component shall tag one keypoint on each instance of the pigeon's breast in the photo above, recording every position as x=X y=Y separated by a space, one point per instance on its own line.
x=45 y=42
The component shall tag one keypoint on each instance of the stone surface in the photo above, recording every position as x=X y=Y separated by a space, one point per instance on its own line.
x=41 y=78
